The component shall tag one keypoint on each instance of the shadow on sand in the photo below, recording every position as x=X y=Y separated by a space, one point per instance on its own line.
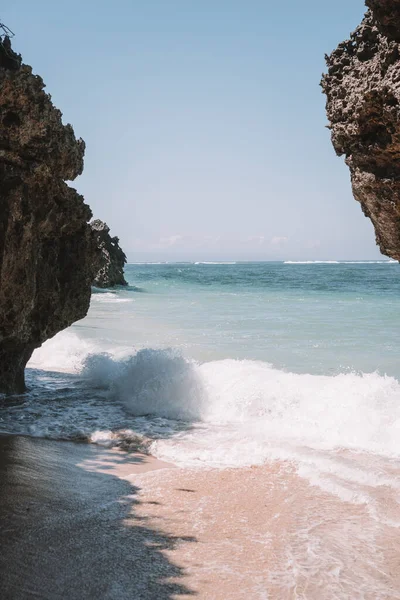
x=68 y=531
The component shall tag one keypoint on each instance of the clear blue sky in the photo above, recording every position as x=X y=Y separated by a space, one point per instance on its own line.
x=204 y=122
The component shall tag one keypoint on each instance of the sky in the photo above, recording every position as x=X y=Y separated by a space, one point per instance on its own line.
x=204 y=122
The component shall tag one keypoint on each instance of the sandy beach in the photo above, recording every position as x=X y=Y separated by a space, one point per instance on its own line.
x=68 y=532
x=79 y=521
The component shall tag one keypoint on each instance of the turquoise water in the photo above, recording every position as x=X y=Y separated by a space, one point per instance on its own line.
x=227 y=364
x=216 y=366
x=306 y=318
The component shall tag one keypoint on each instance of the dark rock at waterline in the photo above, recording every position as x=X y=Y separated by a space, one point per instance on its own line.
x=363 y=107
x=112 y=259
x=47 y=250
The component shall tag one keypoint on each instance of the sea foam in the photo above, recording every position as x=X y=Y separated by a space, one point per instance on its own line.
x=342 y=432
x=250 y=402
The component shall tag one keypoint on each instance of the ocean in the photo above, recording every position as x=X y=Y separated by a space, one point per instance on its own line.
x=222 y=364
x=226 y=367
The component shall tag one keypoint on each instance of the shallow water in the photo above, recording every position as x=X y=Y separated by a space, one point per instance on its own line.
x=227 y=364
x=264 y=532
x=235 y=365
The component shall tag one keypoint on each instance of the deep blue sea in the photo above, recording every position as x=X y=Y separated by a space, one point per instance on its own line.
x=227 y=364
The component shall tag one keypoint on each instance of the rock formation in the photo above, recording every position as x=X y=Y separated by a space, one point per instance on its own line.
x=47 y=251
x=113 y=259
x=363 y=106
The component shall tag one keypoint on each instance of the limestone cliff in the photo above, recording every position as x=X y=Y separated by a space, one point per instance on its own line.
x=363 y=106
x=113 y=259
x=47 y=251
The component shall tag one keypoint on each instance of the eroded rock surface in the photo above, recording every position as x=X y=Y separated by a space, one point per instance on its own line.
x=363 y=106
x=47 y=251
x=113 y=259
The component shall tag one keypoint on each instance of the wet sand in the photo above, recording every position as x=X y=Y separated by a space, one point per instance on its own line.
x=79 y=521
x=265 y=533
x=69 y=533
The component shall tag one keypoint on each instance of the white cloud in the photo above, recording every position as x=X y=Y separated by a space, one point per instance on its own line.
x=176 y=243
x=258 y=239
x=172 y=240
x=278 y=240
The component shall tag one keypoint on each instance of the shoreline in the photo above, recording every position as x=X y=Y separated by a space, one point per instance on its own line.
x=63 y=529
x=81 y=521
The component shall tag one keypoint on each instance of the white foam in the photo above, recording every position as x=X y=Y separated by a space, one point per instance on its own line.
x=66 y=352
x=249 y=400
x=109 y=297
x=246 y=407
x=228 y=413
x=152 y=382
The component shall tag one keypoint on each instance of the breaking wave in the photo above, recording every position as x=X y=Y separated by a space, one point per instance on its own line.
x=222 y=412
x=152 y=382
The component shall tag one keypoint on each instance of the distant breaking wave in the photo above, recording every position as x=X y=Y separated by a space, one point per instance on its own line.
x=340 y=262
x=215 y=263
x=311 y=262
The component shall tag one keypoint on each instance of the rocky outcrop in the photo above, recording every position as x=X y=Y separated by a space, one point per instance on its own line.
x=363 y=106
x=47 y=251
x=113 y=259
